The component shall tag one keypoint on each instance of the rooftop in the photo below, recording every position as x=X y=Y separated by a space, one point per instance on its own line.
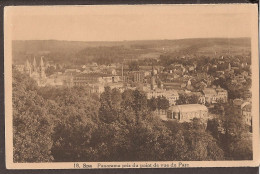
x=238 y=102
x=209 y=91
x=94 y=74
x=188 y=108
x=247 y=107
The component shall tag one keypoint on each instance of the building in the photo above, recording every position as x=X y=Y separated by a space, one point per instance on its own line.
x=120 y=86
x=222 y=95
x=210 y=95
x=96 y=88
x=237 y=103
x=84 y=79
x=201 y=97
x=155 y=93
x=243 y=108
x=134 y=76
x=185 y=113
x=171 y=95
x=174 y=85
x=55 y=80
x=68 y=80
x=60 y=79
x=111 y=71
x=72 y=70
x=215 y=95
x=19 y=68
x=36 y=72
x=156 y=69
x=246 y=113
x=153 y=83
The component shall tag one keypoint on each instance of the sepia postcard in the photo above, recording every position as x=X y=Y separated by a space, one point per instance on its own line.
x=131 y=86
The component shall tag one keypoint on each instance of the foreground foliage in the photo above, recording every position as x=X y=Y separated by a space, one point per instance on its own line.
x=68 y=124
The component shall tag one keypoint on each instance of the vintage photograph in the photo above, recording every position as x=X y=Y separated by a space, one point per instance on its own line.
x=131 y=83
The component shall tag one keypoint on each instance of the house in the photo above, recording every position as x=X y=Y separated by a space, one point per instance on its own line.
x=237 y=103
x=170 y=95
x=246 y=113
x=56 y=79
x=174 y=85
x=134 y=76
x=72 y=70
x=210 y=95
x=95 y=88
x=185 y=113
x=201 y=97
x=119 y=86
x=200 y=85
x=243 y=108
x=84 y=79
x=222 y=95
x=19 y=68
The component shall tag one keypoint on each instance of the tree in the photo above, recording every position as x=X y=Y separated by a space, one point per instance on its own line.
x=69 y=124
x=72 y=136
x=76 y=120
x=193 y=99
x=152 y=103
x=201 y=145
x=149 y=140
x=32 y=125
x=214 y=128
x=107 y=112
x=230 y=131
x=50 y=70
x=241 y=149
x=140 y=101
x=187 y=99
x=219 y=107
x=162 y=103
x=134 y=66
x=191 y=142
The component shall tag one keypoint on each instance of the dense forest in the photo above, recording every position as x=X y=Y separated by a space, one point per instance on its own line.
x=68 y=124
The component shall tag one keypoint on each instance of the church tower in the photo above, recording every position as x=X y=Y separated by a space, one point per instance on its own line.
x=27 y=68
x=34 y=68
x=229 y=66
x=42 y=69
x=152 y=79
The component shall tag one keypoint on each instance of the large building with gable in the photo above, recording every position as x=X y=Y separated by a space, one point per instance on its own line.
x=185 y=113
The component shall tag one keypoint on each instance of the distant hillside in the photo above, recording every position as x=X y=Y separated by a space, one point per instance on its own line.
x=81 y=52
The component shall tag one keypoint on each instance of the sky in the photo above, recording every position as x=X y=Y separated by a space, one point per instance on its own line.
x=128 y=22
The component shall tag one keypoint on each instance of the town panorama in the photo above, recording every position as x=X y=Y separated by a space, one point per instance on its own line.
x=169 y=100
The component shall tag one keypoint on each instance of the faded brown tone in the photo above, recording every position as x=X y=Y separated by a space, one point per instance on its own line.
x=242 y=27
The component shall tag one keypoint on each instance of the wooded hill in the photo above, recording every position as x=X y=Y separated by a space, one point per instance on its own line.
x=80 y=52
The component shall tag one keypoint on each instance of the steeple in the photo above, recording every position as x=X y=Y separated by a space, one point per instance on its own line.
x=152 y=79
x=42 y=70
x=152 y=71
x=34 y=65
x=123 y=71
x=27 y=64
x=229 y=66
x=41 y=64
x=27 y=67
